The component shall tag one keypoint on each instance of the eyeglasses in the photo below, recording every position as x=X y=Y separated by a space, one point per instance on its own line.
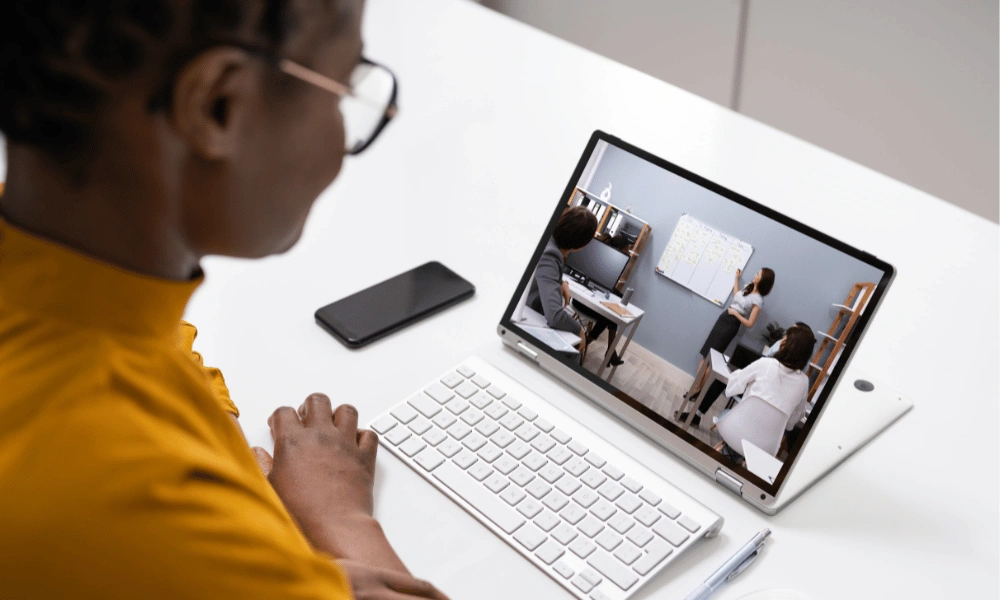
x=367 y=102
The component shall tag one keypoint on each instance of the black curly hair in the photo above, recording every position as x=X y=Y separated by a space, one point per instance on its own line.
x=58 y=58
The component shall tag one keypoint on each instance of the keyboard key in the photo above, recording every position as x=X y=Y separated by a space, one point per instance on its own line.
x=465 y=459
x=512 y=495
x=599 y=595
x=560 y=436
x=577 y=448
x=435 y=436
x=576 y=466
x=487 y=427
x=647 y=515
x=512 y=403
x=688 y=523
x=538 y=489
x=609 y=540
x=449 y=448
x=429 y=459
x=439 y=393
x=472 y=416
x=444 y=420
x=534 y=461
x=459 y=431
x=572 y=514
x=518 y=450
x=457 y=406
x=584 y=585
x=384 y=424
x=631 y=485
x=481 y=400
x=559 y=455
x=521 y=476
x=505 y=464
x=466 y=390
x=543 y=425
x=650 y=497
x=530 y=537
x=481 y=381
x=639 y=536
x=465 y=371
x=489 y=453
x=655 y=553
x=582 y=547
x=452 y=379
x=542 y=443
x=603 y=510
x=502 y=438
x=628 y=503
x=590 y=526
x=527 y=414
x=474 y=441
x=527 y=432
x=546 y=521
x=511 y=421
x=480 y=471
x=595 y=459
x=611 y=490
x=397 y=435
x=550 y=552
x=496 y=392
x=564 y=534
x=411 y=446
x=496 y=411
x=594 y=478
x=613 y=472
x=628 y=553
x=592 y=576
x=621 y=523
x=479 y=497
x=670 y=531
x=420 y=425
x=563 y=570
x=496 y=483
x=568 y=485
x=669 y=510
x=550 y=473
x=585 y=498
x=529 y=508
x=555 y=501
x=613 y=570
x=404 y=413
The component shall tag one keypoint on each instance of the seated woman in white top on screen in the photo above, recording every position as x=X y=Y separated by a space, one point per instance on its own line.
x=775 y=394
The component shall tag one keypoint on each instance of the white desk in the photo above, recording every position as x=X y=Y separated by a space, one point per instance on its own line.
x=492 y=124
x=593 y=301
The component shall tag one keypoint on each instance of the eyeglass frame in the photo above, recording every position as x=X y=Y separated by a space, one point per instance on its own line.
x=306 y=75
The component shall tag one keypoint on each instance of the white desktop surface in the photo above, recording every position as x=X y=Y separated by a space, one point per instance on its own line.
x=494 y=116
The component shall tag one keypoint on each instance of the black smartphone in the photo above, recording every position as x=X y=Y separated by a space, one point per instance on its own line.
x=384 y=308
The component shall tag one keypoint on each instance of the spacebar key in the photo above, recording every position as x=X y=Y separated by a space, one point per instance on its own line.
x=612 y=569
x=478 y=496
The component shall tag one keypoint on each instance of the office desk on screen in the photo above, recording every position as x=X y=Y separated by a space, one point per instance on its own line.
x=592 y=300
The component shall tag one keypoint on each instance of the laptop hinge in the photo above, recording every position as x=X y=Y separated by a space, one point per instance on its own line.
x=526 y=351
x=734 y=485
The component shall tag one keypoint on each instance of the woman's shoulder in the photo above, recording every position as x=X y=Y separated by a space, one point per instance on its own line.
x=756 y=298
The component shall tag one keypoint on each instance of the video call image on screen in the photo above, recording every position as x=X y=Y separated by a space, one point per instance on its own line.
x=698 y=310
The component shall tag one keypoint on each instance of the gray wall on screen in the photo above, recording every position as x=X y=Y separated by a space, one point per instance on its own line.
x=809 y=276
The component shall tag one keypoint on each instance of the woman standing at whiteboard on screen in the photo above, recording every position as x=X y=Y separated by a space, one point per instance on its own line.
x=742 y=311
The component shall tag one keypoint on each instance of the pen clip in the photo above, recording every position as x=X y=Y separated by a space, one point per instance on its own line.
x=743 y=566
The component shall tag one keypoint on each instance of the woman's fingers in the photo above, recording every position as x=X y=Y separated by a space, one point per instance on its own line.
x=264 y=460
x=316 y=410
x=346 y=420
x=411 y=586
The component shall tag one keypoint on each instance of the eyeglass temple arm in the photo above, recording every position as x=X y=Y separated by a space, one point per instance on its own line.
x=309 y=76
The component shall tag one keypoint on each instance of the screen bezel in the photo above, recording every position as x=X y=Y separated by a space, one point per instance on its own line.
x=693 y=445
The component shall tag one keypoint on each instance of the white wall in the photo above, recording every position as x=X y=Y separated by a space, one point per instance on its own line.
x=906 y=87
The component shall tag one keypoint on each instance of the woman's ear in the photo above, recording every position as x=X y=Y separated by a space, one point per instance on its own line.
x=211 y=100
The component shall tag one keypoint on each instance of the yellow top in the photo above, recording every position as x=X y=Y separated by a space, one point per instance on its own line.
x=121 y=473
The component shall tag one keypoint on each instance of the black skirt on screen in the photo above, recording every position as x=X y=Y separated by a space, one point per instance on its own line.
x=723 y=333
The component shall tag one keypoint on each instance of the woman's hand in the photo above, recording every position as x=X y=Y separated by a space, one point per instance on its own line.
x=564 y=288
x=371 y=583
x=738 y=273
x=733 y=312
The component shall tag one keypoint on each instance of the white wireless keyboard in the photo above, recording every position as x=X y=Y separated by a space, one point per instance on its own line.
x=594 y=519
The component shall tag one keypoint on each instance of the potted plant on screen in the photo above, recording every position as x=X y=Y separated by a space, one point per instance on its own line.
x=773 y=333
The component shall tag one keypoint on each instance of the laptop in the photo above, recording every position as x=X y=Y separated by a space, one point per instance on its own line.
x=597 y=521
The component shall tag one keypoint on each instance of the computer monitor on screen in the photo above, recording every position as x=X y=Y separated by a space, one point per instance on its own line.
x=600 y=263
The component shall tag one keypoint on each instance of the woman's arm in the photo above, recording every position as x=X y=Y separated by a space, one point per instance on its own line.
x=740 y=380
x=736 y=282
x=747 y=322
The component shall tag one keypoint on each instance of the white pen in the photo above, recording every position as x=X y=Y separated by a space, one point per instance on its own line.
x=731 y=568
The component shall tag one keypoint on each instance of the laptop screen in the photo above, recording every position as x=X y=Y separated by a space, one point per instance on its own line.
x=720 y=320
